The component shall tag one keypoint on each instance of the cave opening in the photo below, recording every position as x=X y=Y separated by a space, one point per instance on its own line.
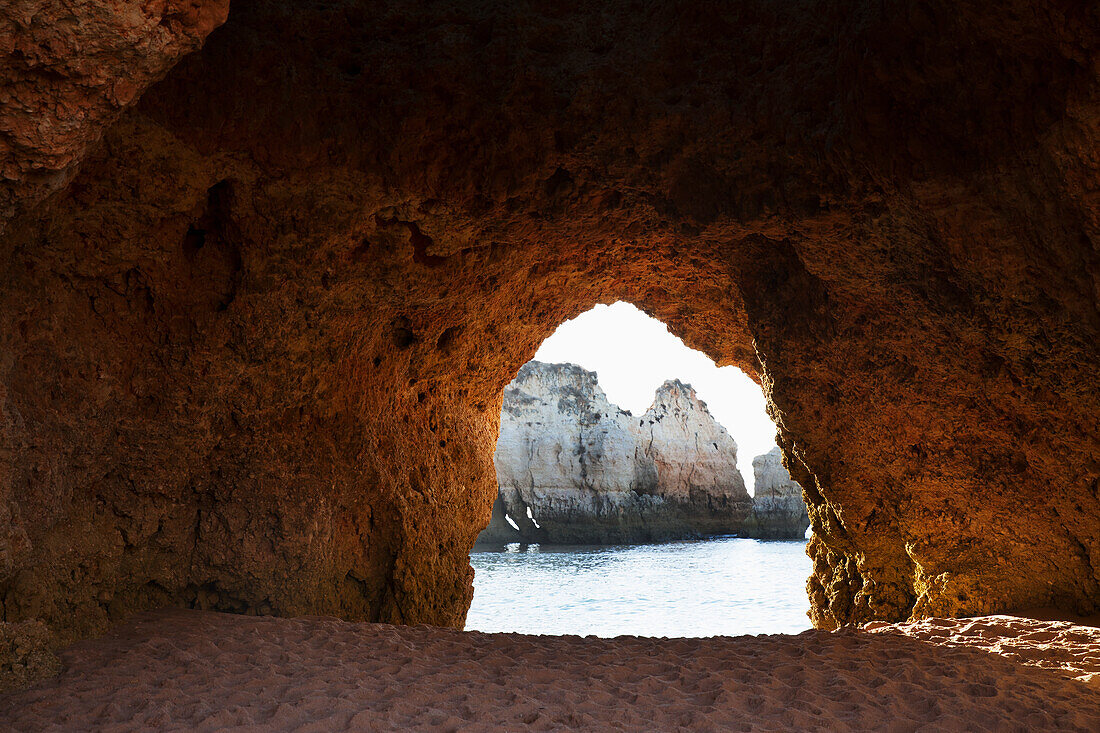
x=640 y=492
x=263 y=286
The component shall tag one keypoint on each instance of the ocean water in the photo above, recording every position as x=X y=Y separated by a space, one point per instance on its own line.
x=718 y=587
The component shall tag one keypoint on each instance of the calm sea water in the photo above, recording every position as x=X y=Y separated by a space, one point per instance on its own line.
x=717 y=587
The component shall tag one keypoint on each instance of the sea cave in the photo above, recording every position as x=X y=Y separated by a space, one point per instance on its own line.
x=267 y=267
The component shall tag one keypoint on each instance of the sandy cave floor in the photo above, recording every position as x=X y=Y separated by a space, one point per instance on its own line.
x=193 y=670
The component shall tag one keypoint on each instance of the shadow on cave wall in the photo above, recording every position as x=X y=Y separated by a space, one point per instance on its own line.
x=253 y=354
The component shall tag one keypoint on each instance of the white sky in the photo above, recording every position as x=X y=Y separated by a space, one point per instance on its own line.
x=633 y=354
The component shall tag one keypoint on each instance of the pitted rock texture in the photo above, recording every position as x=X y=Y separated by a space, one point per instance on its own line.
x=573 y=468
x=252 y=356
x=778 y=511
x=25 y=654
x=69 y=69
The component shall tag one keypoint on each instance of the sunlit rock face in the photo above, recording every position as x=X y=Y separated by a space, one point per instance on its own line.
x=252 y=356
x=778 y=511
x=573 y=468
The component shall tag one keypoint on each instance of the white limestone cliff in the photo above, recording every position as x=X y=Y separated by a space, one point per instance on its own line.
x=779 y=511
x=574 y=468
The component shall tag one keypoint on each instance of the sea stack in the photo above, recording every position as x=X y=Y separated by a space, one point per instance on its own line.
x=778 y=510
x=573 y=468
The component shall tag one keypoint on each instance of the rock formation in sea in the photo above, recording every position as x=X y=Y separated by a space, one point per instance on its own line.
x=573 y=468
x=778 y=511
x=258 y=302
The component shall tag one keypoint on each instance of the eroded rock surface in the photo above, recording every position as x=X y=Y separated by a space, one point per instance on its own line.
x=573 y=468
x=69 y=69
x=778 y=511
x=25 y=654
x=251 y=357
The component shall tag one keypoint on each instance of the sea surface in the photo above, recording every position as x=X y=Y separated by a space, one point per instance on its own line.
x=718 y=587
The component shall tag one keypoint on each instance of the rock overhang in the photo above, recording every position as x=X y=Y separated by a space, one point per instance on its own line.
x=421 y=194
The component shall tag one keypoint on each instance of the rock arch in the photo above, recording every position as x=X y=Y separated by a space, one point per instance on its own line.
x=253 y=352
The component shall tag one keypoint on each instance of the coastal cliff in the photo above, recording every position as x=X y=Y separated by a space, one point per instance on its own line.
x=778 y=511
x=574 y=468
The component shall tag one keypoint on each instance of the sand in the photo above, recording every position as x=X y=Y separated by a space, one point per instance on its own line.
x=191 y=670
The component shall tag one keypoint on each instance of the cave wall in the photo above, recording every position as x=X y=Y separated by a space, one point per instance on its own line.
x=68 y=71
x=251 y=357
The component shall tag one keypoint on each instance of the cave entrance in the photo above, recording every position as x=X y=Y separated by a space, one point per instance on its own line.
x=640 y=491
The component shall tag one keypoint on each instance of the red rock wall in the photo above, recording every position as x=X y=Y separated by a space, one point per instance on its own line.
x=69 y=69
x=252 y=356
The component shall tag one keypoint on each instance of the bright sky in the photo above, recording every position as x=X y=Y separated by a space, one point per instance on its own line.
x=634 y=354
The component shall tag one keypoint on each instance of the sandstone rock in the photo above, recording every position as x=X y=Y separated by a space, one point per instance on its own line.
x=778 y=511
x=251 y=356
x=573 y=468
x=25 y=654
x=70 y=68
